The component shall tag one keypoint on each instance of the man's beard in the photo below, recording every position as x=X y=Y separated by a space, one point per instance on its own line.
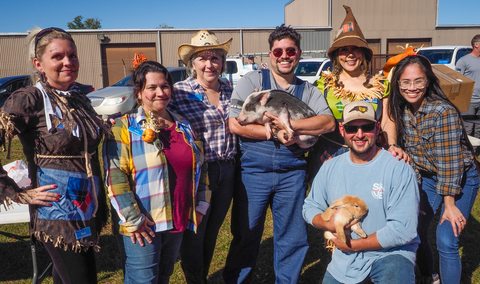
x=364 y=152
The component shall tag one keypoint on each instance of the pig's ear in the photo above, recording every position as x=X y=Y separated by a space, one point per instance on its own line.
x=264 y=98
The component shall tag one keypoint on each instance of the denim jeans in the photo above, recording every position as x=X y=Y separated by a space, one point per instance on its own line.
x=152 y=263
x=447 y=243
x=392 y=269
x=268 y=176
x=197 y=249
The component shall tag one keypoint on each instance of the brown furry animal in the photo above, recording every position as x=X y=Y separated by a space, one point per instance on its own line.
x=351 y=208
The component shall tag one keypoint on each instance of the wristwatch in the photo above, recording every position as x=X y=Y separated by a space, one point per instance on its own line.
x=275 y=134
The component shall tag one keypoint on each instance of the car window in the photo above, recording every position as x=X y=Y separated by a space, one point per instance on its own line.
x=14 y=85
x=437 y=56
x=327 y=66
x=125 y=81
x=307 y=68
x=462 y=52
x=231 y=67
x=178 y=75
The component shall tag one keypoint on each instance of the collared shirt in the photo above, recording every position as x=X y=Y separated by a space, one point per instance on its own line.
x=435 y=142
x=209 y=122
x=136 y=174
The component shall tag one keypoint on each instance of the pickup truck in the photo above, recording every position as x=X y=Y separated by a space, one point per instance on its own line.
x=447 y=55
x=234 y=70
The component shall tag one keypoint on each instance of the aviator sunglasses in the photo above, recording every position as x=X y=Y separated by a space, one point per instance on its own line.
x=352 y=129
x=43 y=33
x=277 y=52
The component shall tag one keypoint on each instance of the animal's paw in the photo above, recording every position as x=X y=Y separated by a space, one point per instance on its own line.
x=330 y=246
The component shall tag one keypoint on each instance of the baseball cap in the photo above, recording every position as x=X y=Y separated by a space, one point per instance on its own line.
x=251 y=57
x=358 y=110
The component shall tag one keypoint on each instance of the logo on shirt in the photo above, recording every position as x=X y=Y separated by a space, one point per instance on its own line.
x=377 y=191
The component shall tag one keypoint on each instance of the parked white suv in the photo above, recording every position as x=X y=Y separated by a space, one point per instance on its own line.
x=447 y=55
x=310 y=69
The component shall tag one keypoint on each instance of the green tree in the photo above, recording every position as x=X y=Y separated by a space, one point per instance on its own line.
x=163 y=26
x=91 y=23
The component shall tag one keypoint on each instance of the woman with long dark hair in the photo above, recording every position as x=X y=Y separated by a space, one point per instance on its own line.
x=431 y=131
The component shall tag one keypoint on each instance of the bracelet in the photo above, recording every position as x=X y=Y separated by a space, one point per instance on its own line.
x=275 y=134
x=395 y=145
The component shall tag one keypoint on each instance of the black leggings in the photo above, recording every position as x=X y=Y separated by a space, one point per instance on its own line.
x=70 y=267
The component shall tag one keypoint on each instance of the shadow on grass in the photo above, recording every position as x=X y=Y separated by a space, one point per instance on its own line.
x=16 y=259
x=313 y=268
x=469 y=247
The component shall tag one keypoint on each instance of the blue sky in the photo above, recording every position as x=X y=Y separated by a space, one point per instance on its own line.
x=191 y=14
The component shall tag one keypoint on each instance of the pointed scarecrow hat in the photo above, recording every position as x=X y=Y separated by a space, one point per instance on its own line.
x=350 y=34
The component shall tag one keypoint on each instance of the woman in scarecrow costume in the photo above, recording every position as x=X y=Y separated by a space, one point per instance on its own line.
x=60 y=133
x=349 y=81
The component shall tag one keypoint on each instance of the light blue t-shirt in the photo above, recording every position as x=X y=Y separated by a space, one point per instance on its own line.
x=390 y=190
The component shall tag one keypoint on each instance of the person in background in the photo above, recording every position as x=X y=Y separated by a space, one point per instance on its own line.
x=204 y=100
x=349 y=81
x=431 y=130
x=469 y=65
x=60 y=133
x=390 y=190
x=251 y=63
x=272 y=172
x=156 y=178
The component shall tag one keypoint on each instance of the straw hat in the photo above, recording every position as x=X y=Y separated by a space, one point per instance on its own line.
x=202 y=40
x=350 y=34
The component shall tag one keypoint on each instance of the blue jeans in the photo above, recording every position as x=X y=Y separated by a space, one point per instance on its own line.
x=447 y=243
x=197 y=249
x=152 y=263
x=392 y=269
x=275 y=177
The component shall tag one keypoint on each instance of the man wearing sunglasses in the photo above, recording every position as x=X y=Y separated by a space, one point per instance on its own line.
x=390 y=190
x=272 y=172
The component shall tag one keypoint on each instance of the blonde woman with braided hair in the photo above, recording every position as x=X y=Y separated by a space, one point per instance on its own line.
x=60 y=133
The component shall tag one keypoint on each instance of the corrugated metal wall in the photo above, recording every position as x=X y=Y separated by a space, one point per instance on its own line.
x=13 y=56
x=314 y=43
x=89 y=49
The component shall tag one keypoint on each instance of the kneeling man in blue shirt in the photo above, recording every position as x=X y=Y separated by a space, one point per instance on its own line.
x=390 y=190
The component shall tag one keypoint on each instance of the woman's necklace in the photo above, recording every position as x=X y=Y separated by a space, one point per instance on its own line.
x=152 y=126
x=375 y=92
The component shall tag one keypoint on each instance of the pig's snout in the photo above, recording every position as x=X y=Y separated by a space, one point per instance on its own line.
x=242 y=119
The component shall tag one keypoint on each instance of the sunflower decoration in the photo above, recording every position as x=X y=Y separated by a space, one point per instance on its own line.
x=138 y=59
x=152 y=126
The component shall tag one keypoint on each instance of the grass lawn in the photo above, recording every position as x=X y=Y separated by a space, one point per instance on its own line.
x=16 y=263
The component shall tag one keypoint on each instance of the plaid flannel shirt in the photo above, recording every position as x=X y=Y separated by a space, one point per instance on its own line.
x=436 y=145
x=136 y=174
x=211 y=124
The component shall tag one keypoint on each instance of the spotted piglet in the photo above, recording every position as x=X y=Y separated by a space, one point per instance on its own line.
x=282 y=105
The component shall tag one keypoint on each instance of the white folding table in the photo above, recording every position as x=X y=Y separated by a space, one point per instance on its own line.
x=20 y=214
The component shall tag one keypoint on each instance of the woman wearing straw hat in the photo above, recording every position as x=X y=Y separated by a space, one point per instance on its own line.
x=350 y=80
x=205 y=101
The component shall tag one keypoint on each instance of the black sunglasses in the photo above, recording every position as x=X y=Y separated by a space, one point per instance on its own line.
x=277 y=52
x=43 y=33
x=352 y=129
